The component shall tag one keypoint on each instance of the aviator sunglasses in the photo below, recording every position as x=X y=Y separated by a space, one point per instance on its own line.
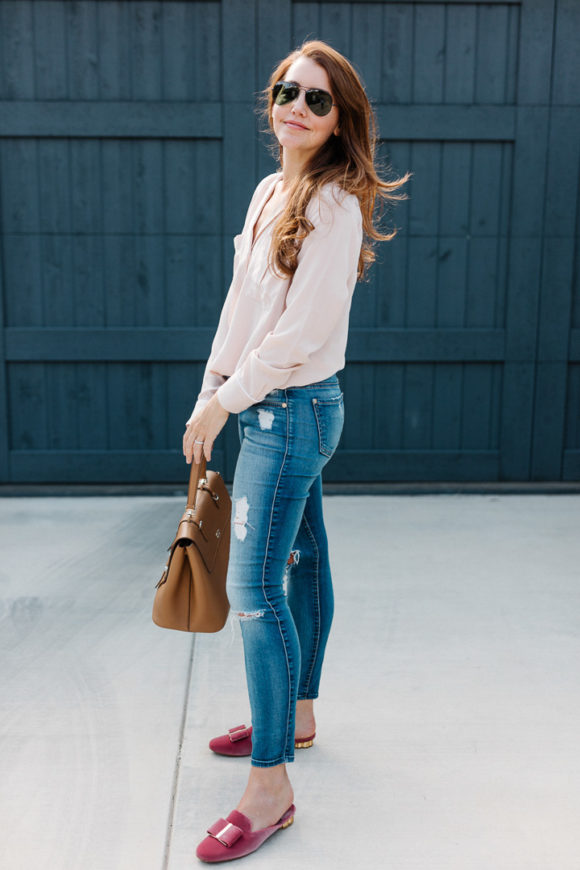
x=318 y=101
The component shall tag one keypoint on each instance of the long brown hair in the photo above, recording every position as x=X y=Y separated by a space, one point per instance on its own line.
x=348 y=159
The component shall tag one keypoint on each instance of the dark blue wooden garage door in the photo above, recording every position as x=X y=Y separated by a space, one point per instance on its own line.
x=129 y=148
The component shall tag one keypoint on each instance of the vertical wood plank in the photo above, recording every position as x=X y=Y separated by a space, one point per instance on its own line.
x=120 y=269
x=90 y=280
x=452 y=287
x=398 y=60
x=477 y=404
x=116 y=186
x=556 y=294
x=113 y=29
x=181 y=285
x=421 y=301
x=357 y=381
x=27 y=406
x=425 y=159
x=191 y=62
x=390 y=274
x=486 y=191
x=149 y=281
x=336 y=26
x=563 y=173
x=82 y=50
x=389 y=409
x=565 y=90
x=535 y=52
x=178 y=58
x=146 y=50
x=238 y=49
x=418 y=406
x=84 y=161
x=179 y=183
x=529 y=193
x=17 y=81
x=513 y=26
x=61 y=405
x=92 y=423
x=57 y=281
x=429 y=54
x=447 y=406
x=305 y=22
x=460 y=53
x=50 y=50
x=492 y=55
x=209 y=273
x=575 y=306
x=20 y=186
x=22 y=272
x=549 y=421
x=54 y=191
x=207 y=81
x=367 y=49
x=486 y=272
x=519 y=370
x=454 y=195
x=572 y=430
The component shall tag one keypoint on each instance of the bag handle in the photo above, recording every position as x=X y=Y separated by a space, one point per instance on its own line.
x=196 y=474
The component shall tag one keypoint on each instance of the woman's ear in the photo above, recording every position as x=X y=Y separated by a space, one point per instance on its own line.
x=336 y=131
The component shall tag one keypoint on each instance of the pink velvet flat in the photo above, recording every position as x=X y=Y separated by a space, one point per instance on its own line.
x=233 y=837
x=238 y=742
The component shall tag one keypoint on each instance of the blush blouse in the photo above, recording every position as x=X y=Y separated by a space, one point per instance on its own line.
x=278 y=332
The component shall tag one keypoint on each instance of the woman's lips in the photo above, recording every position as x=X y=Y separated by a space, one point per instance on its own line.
x=296 y=125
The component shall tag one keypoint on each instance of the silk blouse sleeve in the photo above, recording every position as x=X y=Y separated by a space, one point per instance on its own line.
x=318 y=299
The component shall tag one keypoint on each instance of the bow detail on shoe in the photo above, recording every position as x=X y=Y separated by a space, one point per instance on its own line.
x=233 y=837
x=239 y=732
x=226 y=832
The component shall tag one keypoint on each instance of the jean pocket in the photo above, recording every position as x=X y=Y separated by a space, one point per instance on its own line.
x=329 y=414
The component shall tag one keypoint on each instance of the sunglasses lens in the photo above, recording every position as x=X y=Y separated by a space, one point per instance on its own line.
x=283 y=93
x=319 y=101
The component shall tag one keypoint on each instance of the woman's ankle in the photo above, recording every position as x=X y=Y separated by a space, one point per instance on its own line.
x=305 y=721
x=268 y=795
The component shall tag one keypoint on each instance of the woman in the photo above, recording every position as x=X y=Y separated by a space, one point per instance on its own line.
x=281 y=339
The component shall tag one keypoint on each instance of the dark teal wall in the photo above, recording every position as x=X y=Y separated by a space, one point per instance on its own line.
x=129 y=149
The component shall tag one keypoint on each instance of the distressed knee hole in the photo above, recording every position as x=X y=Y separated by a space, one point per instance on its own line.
x=257 y=614
x=241 y=518
x=294 y=557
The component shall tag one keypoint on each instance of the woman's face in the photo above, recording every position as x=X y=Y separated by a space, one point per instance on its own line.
x=297 y=128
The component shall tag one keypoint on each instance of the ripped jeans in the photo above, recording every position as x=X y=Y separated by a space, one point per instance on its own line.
x=279 y=579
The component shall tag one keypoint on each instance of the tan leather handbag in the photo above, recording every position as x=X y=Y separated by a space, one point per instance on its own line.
x=191 y=595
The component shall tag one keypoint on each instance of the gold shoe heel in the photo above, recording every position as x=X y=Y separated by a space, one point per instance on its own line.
x=288 y=822
x=304 y=744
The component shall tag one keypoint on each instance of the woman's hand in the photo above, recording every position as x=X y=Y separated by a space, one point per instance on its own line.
x=205 y=427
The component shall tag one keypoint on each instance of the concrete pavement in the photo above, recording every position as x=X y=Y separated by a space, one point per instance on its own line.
x=447 y=728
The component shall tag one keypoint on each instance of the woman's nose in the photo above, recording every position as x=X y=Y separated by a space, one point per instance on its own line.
x=300 y=103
